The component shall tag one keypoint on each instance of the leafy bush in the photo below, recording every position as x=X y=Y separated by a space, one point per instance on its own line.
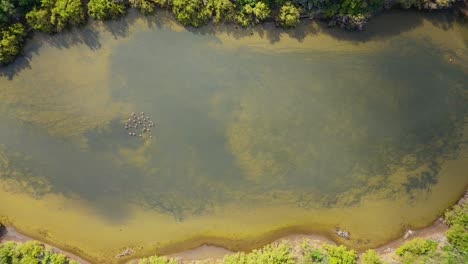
x=288 y=15
x=55 y=15
x=252 y=14
x=417 y=246
x=270 y=254
x=105 y=9
x=458 y=215
x=12 y=39
x=191 y=12
x=237 y=258
x=39 y=19
x=340 y=254
x=315 y=256
x=417 y=250
x=31 y=252
x=370 y=257
x=157 y=260
x=222 y=10
x=457 y=235
x=145 y=6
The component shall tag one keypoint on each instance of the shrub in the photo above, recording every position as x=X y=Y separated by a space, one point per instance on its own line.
x=340 y=254
x=55 y=15
x=315 y=255
x=157 y=260
x=67 y=12
x=12 y=39
x=417 y=246
x=105 y=9
x=252 y=14
x=288 y=15
x=270 y=254
x=370 y=257
x=222 y=10
x=417 y=250
x=39 y=19
x=458 y=215
x=145 y=6
x=31 y=252
x=457 y=235
x=237 y=258
x=191 y=12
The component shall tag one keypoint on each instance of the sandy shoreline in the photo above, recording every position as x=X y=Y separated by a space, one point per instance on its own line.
x=213 y=253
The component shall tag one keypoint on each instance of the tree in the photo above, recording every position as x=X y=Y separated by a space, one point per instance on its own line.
x=67 y=12
x=7 y=10
x=39 y=19
x=222 y=10
x=340 y=254
x=55 y=15
x=370 y=257
x=191 y=12
x=288 y=15
x=12 y=39
x=105 y=9
x=252 y=14
x=145 y=6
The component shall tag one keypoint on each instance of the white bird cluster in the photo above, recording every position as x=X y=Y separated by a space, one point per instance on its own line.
x=138 y=125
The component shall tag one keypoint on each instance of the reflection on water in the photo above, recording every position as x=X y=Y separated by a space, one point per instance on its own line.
x=308 y=129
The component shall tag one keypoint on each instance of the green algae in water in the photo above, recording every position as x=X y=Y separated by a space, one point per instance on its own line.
x=252 y=137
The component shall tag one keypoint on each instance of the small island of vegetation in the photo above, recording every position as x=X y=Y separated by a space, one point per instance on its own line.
x=20 y=17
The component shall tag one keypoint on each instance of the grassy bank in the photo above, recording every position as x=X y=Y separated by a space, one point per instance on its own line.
x=19 y=18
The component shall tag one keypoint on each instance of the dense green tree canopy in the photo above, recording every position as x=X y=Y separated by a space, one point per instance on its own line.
x=55 y=15
x=12 y=38
x=106 y=9
x=222 y=10
x=288 y=15
x=31 y=252
x=252 y=14
x=191 y=12
x=145 y=6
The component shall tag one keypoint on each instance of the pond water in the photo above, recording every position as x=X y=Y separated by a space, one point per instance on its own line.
x=259 y=133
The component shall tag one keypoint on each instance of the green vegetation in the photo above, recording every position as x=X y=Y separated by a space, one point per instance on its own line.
x=370 y=257
x=55 y=15
x=455 y=250
x=417 y=250
x=12 y=38
x=222 y=10
x=105 y=9
x=145 y=6
x=252 y=13
x=288 y=15
x=31 y=252
x=270 y=254
x=191 y=12
x=157 y=260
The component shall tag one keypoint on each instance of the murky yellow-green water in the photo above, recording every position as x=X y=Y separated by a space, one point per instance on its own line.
x=258 y=135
